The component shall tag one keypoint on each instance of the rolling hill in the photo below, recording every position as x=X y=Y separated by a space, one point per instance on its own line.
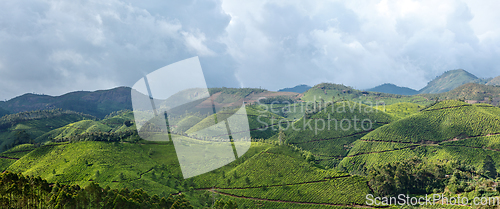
x=494 y=82
x=25 y=127
x=328 y=131
x=393 y=89
x=472 y=93
x=273 y=175
x=448 y=130
x=450 y=80
x=259 y=121
x=298 y=89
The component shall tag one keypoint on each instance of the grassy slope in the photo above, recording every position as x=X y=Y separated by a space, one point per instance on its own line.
x=154 y=167
x=400 y=110
x=448 y=130
x=258 y=119
x=450 y=80
x=37 y=127
x=110 y=124
x=470 y=91
x=186 y=123
x=331 y=142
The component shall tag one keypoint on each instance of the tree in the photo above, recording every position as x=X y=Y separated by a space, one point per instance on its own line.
x=281 y=136
x=489 y=167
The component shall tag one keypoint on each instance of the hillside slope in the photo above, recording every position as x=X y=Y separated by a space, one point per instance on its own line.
x=298 y=89
x=25 y=127
x=449 y=130
x=450 y=80
x=328 y=131
x=393 y=89
x=264 y=170
x=494 y=82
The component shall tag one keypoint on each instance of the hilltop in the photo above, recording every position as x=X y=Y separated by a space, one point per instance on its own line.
x=494 y=82
x=450 y=80
x=25 y=127
x=393 y=89
x=298 y=89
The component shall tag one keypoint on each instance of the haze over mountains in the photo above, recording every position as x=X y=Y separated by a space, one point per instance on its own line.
x=448 y=81
x=298 y=89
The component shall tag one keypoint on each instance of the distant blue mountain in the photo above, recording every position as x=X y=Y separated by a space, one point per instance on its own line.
x=393 y=89
x=298 y=89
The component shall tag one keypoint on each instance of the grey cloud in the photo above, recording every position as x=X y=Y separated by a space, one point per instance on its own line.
x=54 y=47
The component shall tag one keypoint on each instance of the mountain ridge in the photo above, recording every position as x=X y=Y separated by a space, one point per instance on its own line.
x=297 y=89
x=450 y=80
x=393 y=89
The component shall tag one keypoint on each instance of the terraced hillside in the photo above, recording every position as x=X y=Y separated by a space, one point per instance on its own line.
x=122 y=122
x=264 y=170
x=328 y=132
x=25 y=127
x=449 y=130
x=473 y=93
x=260 y=121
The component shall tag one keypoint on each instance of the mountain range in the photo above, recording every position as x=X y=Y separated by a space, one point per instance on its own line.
x=446 y=82
x=298 y=89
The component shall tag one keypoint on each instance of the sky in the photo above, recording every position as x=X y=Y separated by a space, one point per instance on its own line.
x=54 y=46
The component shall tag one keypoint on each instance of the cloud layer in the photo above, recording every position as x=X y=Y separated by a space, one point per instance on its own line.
x=54 y=46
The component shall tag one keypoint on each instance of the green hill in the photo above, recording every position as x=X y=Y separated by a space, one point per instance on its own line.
x=450 y=80
x=393 y=89
x=264 y=170
x=400 y=110
x=122 y=122
x=97 y=103
x=25 y=127
x=471 y=91
x=494 y=82
x=449 y=130
x=299 y=89
x=328 y=131
x=186 y=123
x=259 y=121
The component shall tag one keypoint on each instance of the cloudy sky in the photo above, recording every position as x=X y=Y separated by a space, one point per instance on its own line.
x=56 y=46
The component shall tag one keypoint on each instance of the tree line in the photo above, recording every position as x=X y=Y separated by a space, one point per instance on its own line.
x=19 y=191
